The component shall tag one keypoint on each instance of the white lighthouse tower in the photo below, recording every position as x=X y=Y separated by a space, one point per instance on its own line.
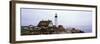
x=56 y=23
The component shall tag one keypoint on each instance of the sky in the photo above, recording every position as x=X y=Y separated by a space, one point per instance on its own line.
x=68 y=18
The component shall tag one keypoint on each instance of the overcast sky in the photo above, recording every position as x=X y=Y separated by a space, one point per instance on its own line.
x=67 y=18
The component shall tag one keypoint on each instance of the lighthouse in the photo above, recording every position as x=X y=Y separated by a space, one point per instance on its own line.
x=56 y=19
